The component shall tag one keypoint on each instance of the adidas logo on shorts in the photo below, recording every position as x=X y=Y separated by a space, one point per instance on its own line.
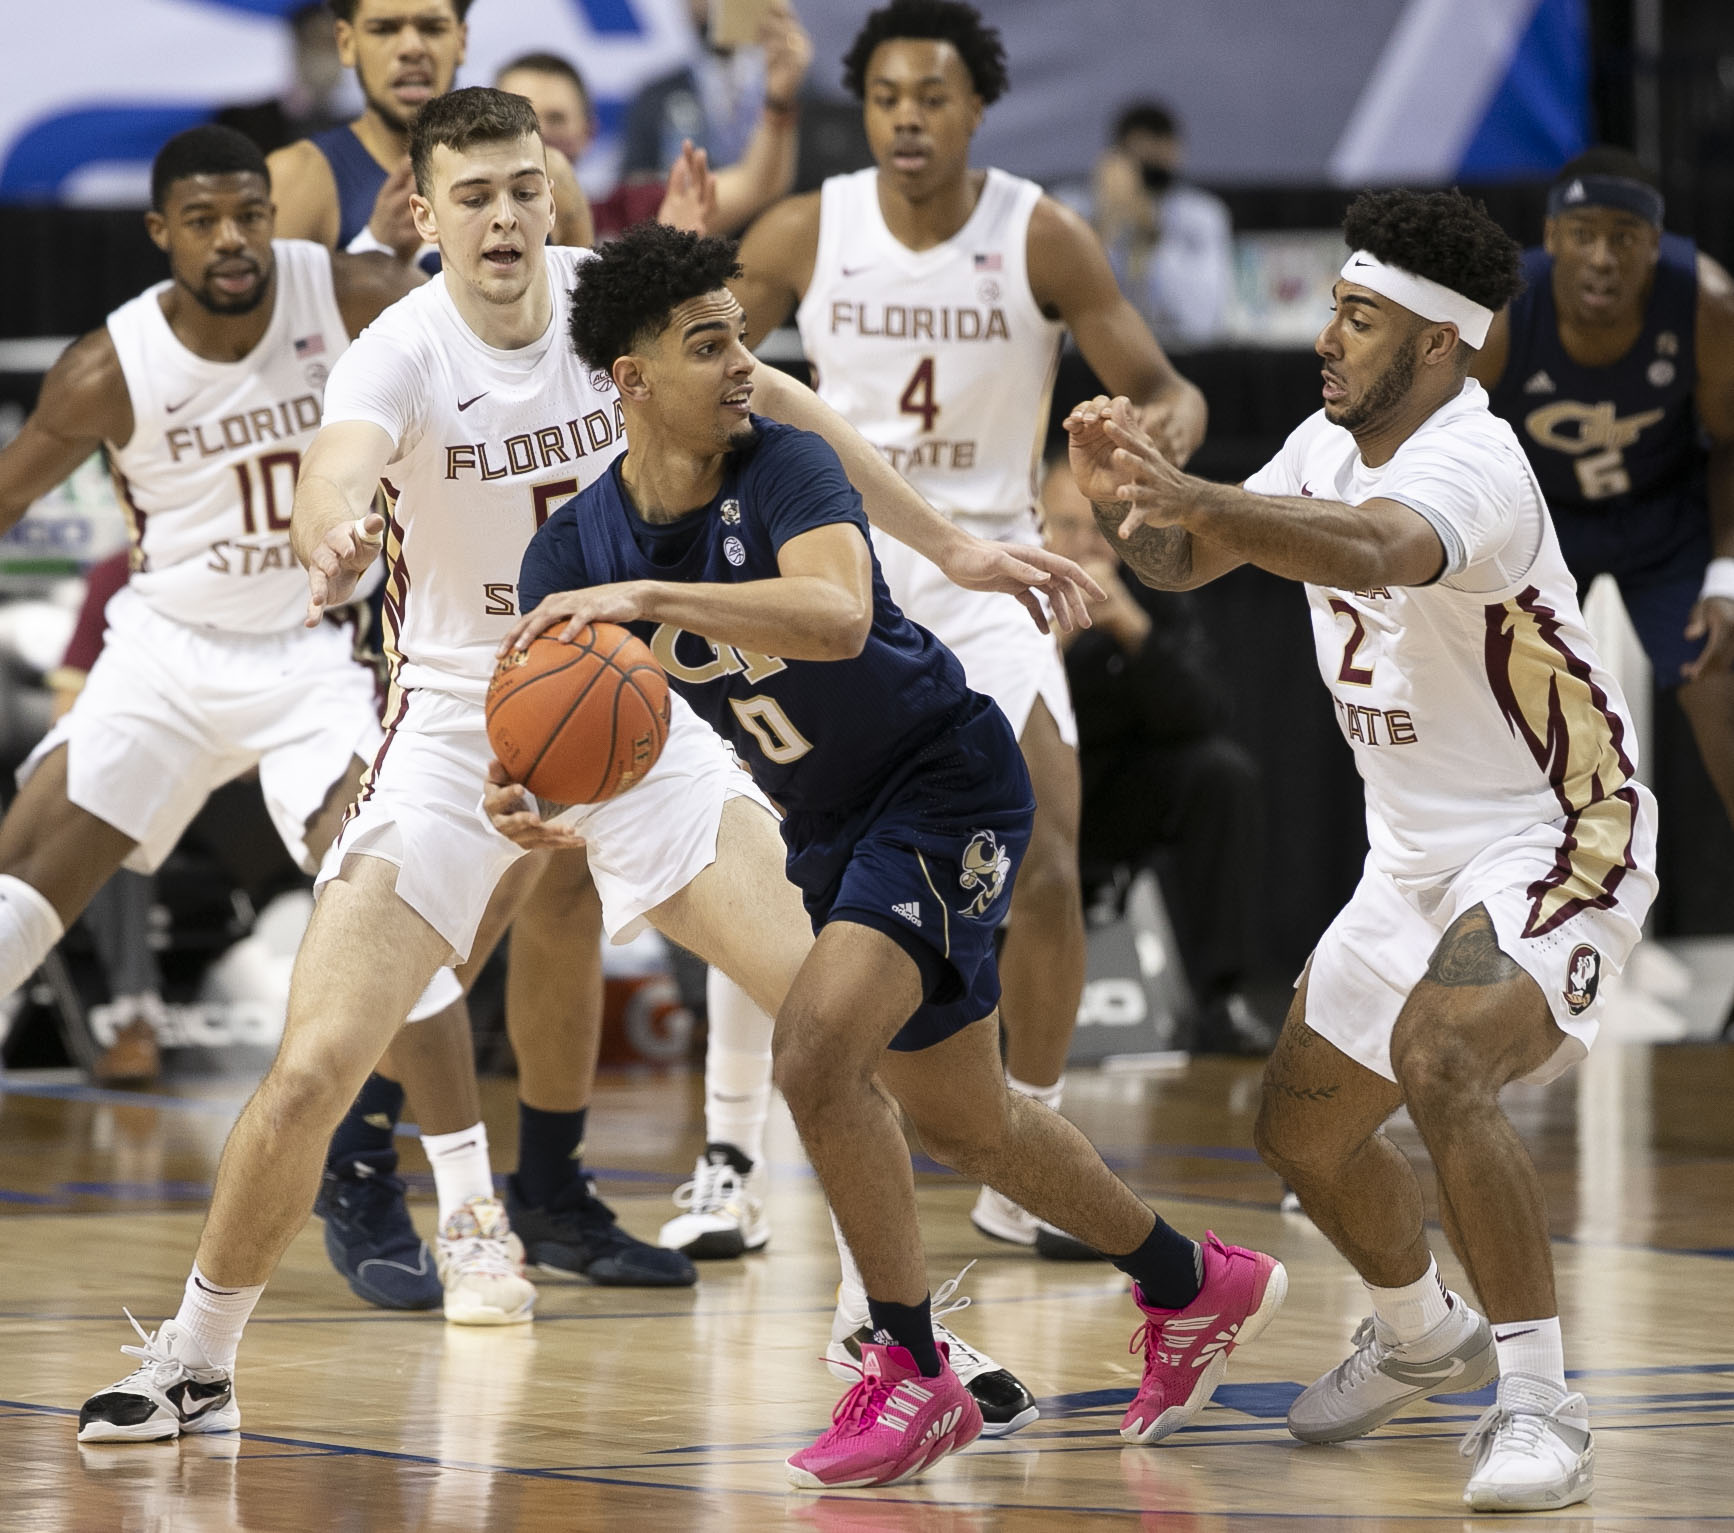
x=910 y=911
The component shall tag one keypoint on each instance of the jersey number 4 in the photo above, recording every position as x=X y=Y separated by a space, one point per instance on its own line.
x=918 y=397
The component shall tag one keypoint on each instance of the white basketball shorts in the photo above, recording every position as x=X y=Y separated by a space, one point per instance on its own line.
x=421 y=809
x=170 y=713
x=1378 y=948
x=1004 y=655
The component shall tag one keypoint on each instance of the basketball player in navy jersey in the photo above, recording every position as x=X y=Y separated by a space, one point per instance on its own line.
x=350 y=187
x=933 y=299
x=1615 y=367
x=738 y=550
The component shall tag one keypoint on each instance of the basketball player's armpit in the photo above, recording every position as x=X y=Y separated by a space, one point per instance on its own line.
x=1469 y=954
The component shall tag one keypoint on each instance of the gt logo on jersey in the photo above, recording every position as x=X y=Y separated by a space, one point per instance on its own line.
x=1595 y=436
x=986 y=866
x=1583 y=976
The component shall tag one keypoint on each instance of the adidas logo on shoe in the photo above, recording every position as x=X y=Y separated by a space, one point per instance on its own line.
x=945 y=1424
x=910 y=911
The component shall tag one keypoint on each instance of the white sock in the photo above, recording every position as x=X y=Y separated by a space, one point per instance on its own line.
x=29 y=928
x=1531 y=1347
x=1410 y=1312
x=1048 y=1096
x=852 y=1291
x=460 y=1167
x=737 y=1068
x=214 y=1316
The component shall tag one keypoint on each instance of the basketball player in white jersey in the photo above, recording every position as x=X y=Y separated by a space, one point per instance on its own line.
x=1513 y=852
x=467 y=403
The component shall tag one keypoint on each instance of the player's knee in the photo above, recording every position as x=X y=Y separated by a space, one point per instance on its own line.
x=1048 y=885
x=814 y=1069
x=967 y=1136
x=1439 y=1070
x=305 y=1096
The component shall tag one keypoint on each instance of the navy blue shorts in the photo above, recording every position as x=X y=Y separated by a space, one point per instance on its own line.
x=930 y=863
x=1656 y=551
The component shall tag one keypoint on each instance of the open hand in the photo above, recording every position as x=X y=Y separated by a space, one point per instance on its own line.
x=1021 y=570
x=690 y=200
x=341 y=559
x=1116 y=463
x=392 y=222
x=511 y=809
x=1712 y=621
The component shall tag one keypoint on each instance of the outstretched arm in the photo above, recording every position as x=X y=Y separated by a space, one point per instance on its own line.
x=1713 y=614
x=333 y=531
x=895 y=508
x=1206 y=529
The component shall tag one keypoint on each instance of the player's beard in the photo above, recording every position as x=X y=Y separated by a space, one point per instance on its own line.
x=1384 y=393
x=213 y=302
x=387 y=111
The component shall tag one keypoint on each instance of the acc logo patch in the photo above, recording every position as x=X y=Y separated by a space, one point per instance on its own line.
x=734 y=552
x=986 y=866
x=1583 y=977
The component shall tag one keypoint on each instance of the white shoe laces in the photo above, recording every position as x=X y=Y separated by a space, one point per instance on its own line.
x=714 y=1185
x=160 y=1368
x=947 y=1301
x=1502 y=1427
x=1363 y=1362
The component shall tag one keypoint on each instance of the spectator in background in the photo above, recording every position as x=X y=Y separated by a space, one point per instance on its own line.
x=311 y=103
x=555 y=88
x=742 y=106
x=1159 y=775
x=1171 y=243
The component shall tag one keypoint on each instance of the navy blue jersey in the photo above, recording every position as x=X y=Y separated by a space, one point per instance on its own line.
x=1617 y=437
x=359 y=177
x=819 y=736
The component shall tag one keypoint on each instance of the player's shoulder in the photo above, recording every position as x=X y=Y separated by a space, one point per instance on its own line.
x=780 y=449
x=792 y=221
x=1466 y=431
x=88 y=374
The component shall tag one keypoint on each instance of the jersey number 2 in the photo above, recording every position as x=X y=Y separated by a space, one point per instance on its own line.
x=918 y=396
x=1354 y=675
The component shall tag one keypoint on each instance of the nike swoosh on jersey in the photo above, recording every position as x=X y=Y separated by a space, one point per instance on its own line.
x=170 y=409
x=855 y=271
x=464 y=404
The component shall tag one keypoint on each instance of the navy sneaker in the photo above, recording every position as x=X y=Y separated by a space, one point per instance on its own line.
x=578 y=1236
x=370 y=1239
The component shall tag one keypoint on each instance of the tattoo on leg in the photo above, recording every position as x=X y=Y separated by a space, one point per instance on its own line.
x=1303 y=1093
x=1469 y=954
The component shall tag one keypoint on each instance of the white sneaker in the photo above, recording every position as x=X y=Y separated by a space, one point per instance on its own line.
x=996 y=1216
x=1530 y=1455
x=482 y=1266
x=1006 y=1405
x=176 y=1390
x=725 y=1211
x=1380 y=1377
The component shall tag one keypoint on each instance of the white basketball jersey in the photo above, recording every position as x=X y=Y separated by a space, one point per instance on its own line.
x=208 y=479
x=940 y=358
x=489 y=442
x=1476 y=706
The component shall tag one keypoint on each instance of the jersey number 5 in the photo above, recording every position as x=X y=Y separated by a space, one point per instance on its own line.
x=918 y=396
x=1354 y=675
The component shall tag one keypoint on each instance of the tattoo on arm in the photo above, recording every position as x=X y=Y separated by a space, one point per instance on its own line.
x=1469 y=954
x=1159 y=556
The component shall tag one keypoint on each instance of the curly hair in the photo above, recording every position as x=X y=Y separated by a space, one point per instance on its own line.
x=625 y=295
x=948 y=21
x=1445 y=236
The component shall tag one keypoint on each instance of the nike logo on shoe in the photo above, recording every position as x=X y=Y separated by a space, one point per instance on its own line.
x=192 y=1399
x=464 y=404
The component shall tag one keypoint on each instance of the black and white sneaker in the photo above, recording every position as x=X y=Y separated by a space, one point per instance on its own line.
x=175 y=1390
x=1005 y=1405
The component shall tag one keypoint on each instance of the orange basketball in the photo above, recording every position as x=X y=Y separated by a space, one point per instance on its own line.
x=578 y=723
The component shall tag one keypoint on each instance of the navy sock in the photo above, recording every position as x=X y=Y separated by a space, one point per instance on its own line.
x=367 y=1128
x=1168 y=1268
x=550 y=1153
x=908 y=1325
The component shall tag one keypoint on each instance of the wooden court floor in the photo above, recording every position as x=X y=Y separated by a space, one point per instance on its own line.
x=626 y=1409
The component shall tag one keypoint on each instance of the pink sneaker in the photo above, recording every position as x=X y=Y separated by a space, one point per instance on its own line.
x=1186 y=1350
x=891 y=1425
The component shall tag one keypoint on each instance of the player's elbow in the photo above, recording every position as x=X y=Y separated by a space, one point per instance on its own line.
x=848 y=627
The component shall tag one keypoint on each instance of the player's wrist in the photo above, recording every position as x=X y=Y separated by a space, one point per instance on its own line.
x=1718 y=579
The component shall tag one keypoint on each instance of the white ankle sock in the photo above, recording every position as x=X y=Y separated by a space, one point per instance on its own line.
x=1532 y=1347
x=737 y=1068
x=1048 y=1096
x=29 y=928
x=460 y=1166
x=214 y=1316
x=852 y=1291
x=1411 y=1311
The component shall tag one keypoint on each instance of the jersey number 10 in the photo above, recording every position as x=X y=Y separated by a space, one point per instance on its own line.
x=267 y=470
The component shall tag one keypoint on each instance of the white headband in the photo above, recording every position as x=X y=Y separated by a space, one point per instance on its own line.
x=1420 y=295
